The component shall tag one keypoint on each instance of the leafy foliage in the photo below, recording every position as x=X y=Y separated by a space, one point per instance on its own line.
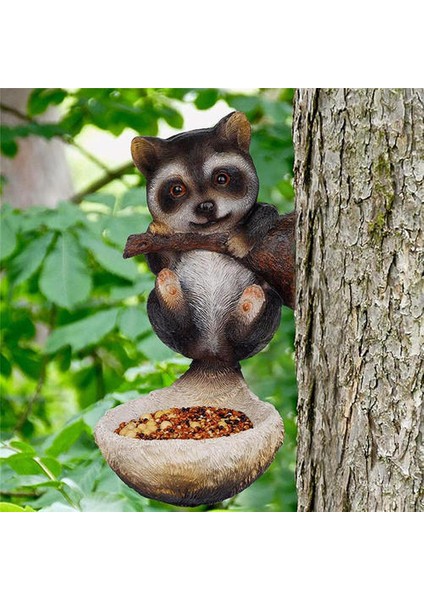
x=76 y=339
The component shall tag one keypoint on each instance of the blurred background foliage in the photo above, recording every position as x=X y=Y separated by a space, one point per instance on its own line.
x=76 y=339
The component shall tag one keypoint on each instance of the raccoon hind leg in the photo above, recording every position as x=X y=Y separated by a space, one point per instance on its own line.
x=253 y=321
x=168 y=289
x=170 y=314
x=250 y=305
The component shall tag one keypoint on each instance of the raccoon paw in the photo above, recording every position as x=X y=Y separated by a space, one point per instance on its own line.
x=169 y=290
x=251 y=303
x=238 y=246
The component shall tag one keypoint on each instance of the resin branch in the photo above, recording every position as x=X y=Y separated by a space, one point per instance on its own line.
x=147 y=243
x=272 y=257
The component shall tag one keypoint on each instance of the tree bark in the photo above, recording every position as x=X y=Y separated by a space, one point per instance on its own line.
x=359 y=172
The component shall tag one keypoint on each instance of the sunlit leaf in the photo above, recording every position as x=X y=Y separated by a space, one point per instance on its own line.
x=9 y=507
x=24 y=464
x=23 y=447
x=52 y=465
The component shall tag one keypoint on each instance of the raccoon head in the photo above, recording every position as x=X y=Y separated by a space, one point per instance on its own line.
x=201 y=180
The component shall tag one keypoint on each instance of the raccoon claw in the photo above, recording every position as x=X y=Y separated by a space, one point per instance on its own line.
x=169 y=289
x=251 y=303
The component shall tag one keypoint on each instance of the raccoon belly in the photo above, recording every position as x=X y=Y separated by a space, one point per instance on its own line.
x=212 y=284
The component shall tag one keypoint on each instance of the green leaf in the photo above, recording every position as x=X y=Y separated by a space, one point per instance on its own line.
x=245 y=103
x=7 y=239
x=172 y=117
x=5 y=452
x=154 y=349
x=5 y=366
x=27 y=262
x=134 y=197
x=41 y=98
x=82 y=333
x=63 y=440
x=142 y=286
x=59 y=507
x=24 y=464
x=133 y=321
x=8 y=147
x=34 y=218
x=206 y=98
x=105 y=502
x=48 y=483
x=88 y=477
x=119 y=228
x=52 y=464
x=27 y=360
x=23 y=447
x=109 y=258
x=65 y=278
x=19 y=322
x=92 y=414
x=73 y=486
x=46 y=130
x=66 y=215
x=9 y=507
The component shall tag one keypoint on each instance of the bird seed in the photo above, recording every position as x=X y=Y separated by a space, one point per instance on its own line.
x=194 y=422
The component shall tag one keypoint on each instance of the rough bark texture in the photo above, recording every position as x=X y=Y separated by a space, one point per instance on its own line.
x=39 y=173
x=359 y=173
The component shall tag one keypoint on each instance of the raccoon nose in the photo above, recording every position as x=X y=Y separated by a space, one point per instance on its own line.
x=206 y=208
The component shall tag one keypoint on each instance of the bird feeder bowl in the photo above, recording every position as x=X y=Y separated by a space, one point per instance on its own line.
x=189 y=472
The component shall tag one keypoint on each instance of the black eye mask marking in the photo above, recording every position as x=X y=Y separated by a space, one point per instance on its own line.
x=236 y=186
x=169 y=200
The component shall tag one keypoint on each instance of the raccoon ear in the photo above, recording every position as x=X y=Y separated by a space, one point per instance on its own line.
x=146 y=153
x=235 y=127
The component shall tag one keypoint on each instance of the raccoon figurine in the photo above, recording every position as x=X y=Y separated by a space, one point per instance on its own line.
x=206 y=305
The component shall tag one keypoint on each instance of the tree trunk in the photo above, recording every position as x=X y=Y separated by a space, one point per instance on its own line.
x=359 y=172
x=39 y=173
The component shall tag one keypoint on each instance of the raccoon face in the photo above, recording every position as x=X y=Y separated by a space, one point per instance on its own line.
x=199 y=180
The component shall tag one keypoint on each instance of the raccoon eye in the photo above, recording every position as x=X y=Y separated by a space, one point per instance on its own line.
x=222 y=178
x=177 y=190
